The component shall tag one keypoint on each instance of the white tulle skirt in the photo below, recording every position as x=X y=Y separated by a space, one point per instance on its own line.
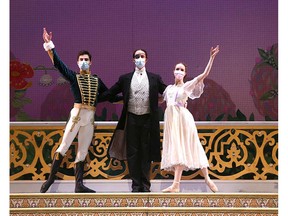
x=181 y=144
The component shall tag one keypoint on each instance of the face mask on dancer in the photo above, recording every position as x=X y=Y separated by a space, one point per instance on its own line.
x=140 y=63
x=179 y=74
x=83 y=65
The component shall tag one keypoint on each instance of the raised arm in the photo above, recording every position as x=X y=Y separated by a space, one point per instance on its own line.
x=189 y=86
x=48 y=41
x=56 y=61
x=213 y=53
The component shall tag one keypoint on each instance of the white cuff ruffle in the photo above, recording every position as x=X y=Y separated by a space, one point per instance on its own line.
x=48 y=46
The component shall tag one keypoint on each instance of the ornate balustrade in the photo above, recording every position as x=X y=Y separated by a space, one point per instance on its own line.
x=235 y=150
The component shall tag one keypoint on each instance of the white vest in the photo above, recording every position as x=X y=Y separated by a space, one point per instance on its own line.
x=139 y=95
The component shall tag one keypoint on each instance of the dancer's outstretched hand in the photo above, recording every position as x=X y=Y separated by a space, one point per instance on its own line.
x=214 y=51
x=47 y=37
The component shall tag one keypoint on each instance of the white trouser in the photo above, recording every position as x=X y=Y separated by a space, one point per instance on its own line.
x=85 y=129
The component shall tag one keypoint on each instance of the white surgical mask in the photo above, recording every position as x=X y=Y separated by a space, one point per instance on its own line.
x=179 y=74
x=83 y=65
x=140 y=63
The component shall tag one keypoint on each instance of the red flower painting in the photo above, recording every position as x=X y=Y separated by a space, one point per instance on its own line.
x=19 y=72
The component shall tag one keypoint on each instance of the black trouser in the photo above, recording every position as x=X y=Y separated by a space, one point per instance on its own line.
x=138 y=148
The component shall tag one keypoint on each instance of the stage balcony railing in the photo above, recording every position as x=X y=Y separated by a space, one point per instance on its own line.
x=235 y=150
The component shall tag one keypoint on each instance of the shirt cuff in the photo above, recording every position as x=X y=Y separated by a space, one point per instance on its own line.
x=48 y=46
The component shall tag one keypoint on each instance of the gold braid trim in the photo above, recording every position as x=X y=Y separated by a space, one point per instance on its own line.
x=75 y=120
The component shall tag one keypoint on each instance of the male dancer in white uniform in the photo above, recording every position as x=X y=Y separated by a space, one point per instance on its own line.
x=86 y=89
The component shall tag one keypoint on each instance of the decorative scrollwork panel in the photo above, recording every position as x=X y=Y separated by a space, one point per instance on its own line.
x=234 y=152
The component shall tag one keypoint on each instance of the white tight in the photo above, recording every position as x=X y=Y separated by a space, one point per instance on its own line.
x=85 y=129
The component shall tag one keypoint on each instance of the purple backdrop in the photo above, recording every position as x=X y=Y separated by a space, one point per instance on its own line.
x=171 y=32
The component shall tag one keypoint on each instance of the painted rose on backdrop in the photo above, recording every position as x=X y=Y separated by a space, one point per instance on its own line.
x=214 y=104
x=57 y=104
x=19 y=73
x=264 y=83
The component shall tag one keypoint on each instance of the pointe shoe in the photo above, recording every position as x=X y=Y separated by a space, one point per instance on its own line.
x=171 y=189
x=211 y=185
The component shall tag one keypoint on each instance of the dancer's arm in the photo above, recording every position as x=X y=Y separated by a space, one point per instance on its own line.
x=213 y=53
x=48 y=39
x=190 y=85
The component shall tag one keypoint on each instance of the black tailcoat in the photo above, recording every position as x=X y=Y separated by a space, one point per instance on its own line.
x=117 y=147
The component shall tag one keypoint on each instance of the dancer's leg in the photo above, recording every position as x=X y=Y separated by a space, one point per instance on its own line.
x=85 y=136
x=208 y=181
x=175 y=187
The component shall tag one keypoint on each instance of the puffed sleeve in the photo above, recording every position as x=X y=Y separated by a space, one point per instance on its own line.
x=165 y=93
x=193 y=88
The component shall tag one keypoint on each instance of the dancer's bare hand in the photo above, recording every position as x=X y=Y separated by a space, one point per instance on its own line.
x=47 y=37
x=214 y=51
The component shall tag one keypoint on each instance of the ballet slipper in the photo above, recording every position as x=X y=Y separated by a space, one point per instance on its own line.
x=174 y=188
x=211 y=185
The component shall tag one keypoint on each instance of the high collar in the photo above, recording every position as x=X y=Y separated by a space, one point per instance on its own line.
x=142 y=70
x=85 y=72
